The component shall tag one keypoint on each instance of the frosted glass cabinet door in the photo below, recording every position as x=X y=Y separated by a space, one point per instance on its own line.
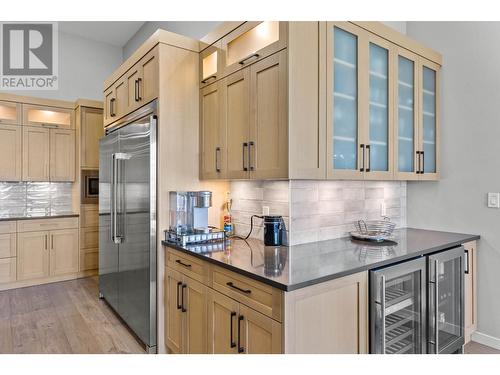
x=344 y=43
x=406 y=144
x=378 y=148
x=429 y=121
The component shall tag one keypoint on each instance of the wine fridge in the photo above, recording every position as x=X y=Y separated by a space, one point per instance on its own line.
x=417 y=306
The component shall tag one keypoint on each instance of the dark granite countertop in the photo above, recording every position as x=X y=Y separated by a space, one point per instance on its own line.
x=298 y=266
x=30 y=217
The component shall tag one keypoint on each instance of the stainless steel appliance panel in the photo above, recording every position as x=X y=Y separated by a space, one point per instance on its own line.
x=135 y=273
x=398 y=308
x=108 y=249
x=446 y=301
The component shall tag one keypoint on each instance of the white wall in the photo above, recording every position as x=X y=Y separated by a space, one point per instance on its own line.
x=84 y=64
x=397 y=25
x=193 y=29
x=470 y=152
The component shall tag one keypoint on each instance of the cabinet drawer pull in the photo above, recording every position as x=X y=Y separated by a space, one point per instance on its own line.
x=217 y=153
x=418 y=162
x=208 y=79
x=139 y=82
x=50 y=126
x=250 y=162
x=245 y=145
x=179 y=306
x=112 y=107
x=369 y=158
x=423 y=161
x=46 y=240
x=241 y=349
x=183 y=264
x=362 y=168
x=232 y=344
x=231 y=285
x=466 y=266
x=183 y=308
x=245 y=59
x=52 y=242
x=136 y=90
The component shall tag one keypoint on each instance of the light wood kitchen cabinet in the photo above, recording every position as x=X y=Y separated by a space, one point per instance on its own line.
x=186 y=327
x=7 y=270
x=10 y=113
x=89 y=215
x=235 y=104
x=36 y=153
x=62 y=155
x=258 y=333
x=10 y=152
x=91 y=120
x=330 y=317
x=8 y=245
x=222 y=323
x=268 y=146
x=48 y=117
x=213 y=134
x=211 y=64
x=252 y=42
x=8 y=251
x=470 y=290
x=33 y=255
x=63 y=252
x=138 y=86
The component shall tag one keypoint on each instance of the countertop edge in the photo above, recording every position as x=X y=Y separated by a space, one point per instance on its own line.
x=38 y=217
x=290 y=288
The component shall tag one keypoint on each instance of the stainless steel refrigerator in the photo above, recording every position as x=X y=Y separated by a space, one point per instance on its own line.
x=127 y=221
x=418 y=306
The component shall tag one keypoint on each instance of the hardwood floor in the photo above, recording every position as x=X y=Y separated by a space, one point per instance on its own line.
x=64 y=317
x=476 y=348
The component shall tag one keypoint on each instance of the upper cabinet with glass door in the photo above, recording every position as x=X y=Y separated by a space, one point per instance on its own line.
x=345 y=92
x=10 y=113
x=429 y=120
x=379 y=153
x=210 y=64
x=251 y=42
x=48 y=117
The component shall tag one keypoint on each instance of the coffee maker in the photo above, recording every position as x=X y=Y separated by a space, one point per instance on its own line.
x=189 y=218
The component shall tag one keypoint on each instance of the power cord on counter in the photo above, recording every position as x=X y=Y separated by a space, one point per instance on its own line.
x=251 y=229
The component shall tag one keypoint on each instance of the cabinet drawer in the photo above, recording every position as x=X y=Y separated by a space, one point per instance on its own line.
x=7 y=245
x=89 y=238
x=90 y=216
x=7 y=227
x=188 y=265
x=251 y=42
x=259 y=296
x=47 y=224
x=7 y=270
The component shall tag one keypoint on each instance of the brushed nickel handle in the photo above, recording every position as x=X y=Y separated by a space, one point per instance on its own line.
x=245 y=59
x=50 y=126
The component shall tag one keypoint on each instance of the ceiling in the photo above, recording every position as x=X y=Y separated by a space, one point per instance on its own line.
x=117 y=33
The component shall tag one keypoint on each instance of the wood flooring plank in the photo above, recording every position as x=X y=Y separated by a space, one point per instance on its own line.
x=50 y=332
x=6 y=337
x=24 y=334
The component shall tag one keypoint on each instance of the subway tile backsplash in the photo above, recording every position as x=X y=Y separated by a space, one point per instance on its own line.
x=249 y=197
x=316 y=210
x=35 y=198
x=323 y=210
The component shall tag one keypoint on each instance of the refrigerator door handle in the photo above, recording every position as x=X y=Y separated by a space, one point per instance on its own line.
x=436 y=306
x=119 y=201
x=112 y=205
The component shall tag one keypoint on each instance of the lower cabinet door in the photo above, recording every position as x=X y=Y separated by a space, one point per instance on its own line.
x=173 y=324
x=63 y=251
x=7 y=270
x=222 y=323
x=32 y=255
x=195 y=317
x=257 y=333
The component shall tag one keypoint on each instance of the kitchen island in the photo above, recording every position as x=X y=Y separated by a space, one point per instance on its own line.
x=309 y=298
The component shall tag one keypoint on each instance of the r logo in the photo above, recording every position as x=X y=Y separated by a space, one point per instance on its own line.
x=27 y=49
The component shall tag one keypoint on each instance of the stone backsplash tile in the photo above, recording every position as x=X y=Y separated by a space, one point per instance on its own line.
x=34 y=198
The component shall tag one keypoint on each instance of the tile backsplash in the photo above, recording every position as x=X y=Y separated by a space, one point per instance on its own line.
x=249 y=197
x=35 y=198
x=323 y=210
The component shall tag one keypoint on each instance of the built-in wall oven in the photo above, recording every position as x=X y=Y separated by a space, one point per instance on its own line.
x=89 y=186
x=418 y=306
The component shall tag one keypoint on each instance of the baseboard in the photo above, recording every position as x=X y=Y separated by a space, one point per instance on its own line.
x=482 y=338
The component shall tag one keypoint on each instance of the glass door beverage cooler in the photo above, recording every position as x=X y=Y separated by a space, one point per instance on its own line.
x=417 y=306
